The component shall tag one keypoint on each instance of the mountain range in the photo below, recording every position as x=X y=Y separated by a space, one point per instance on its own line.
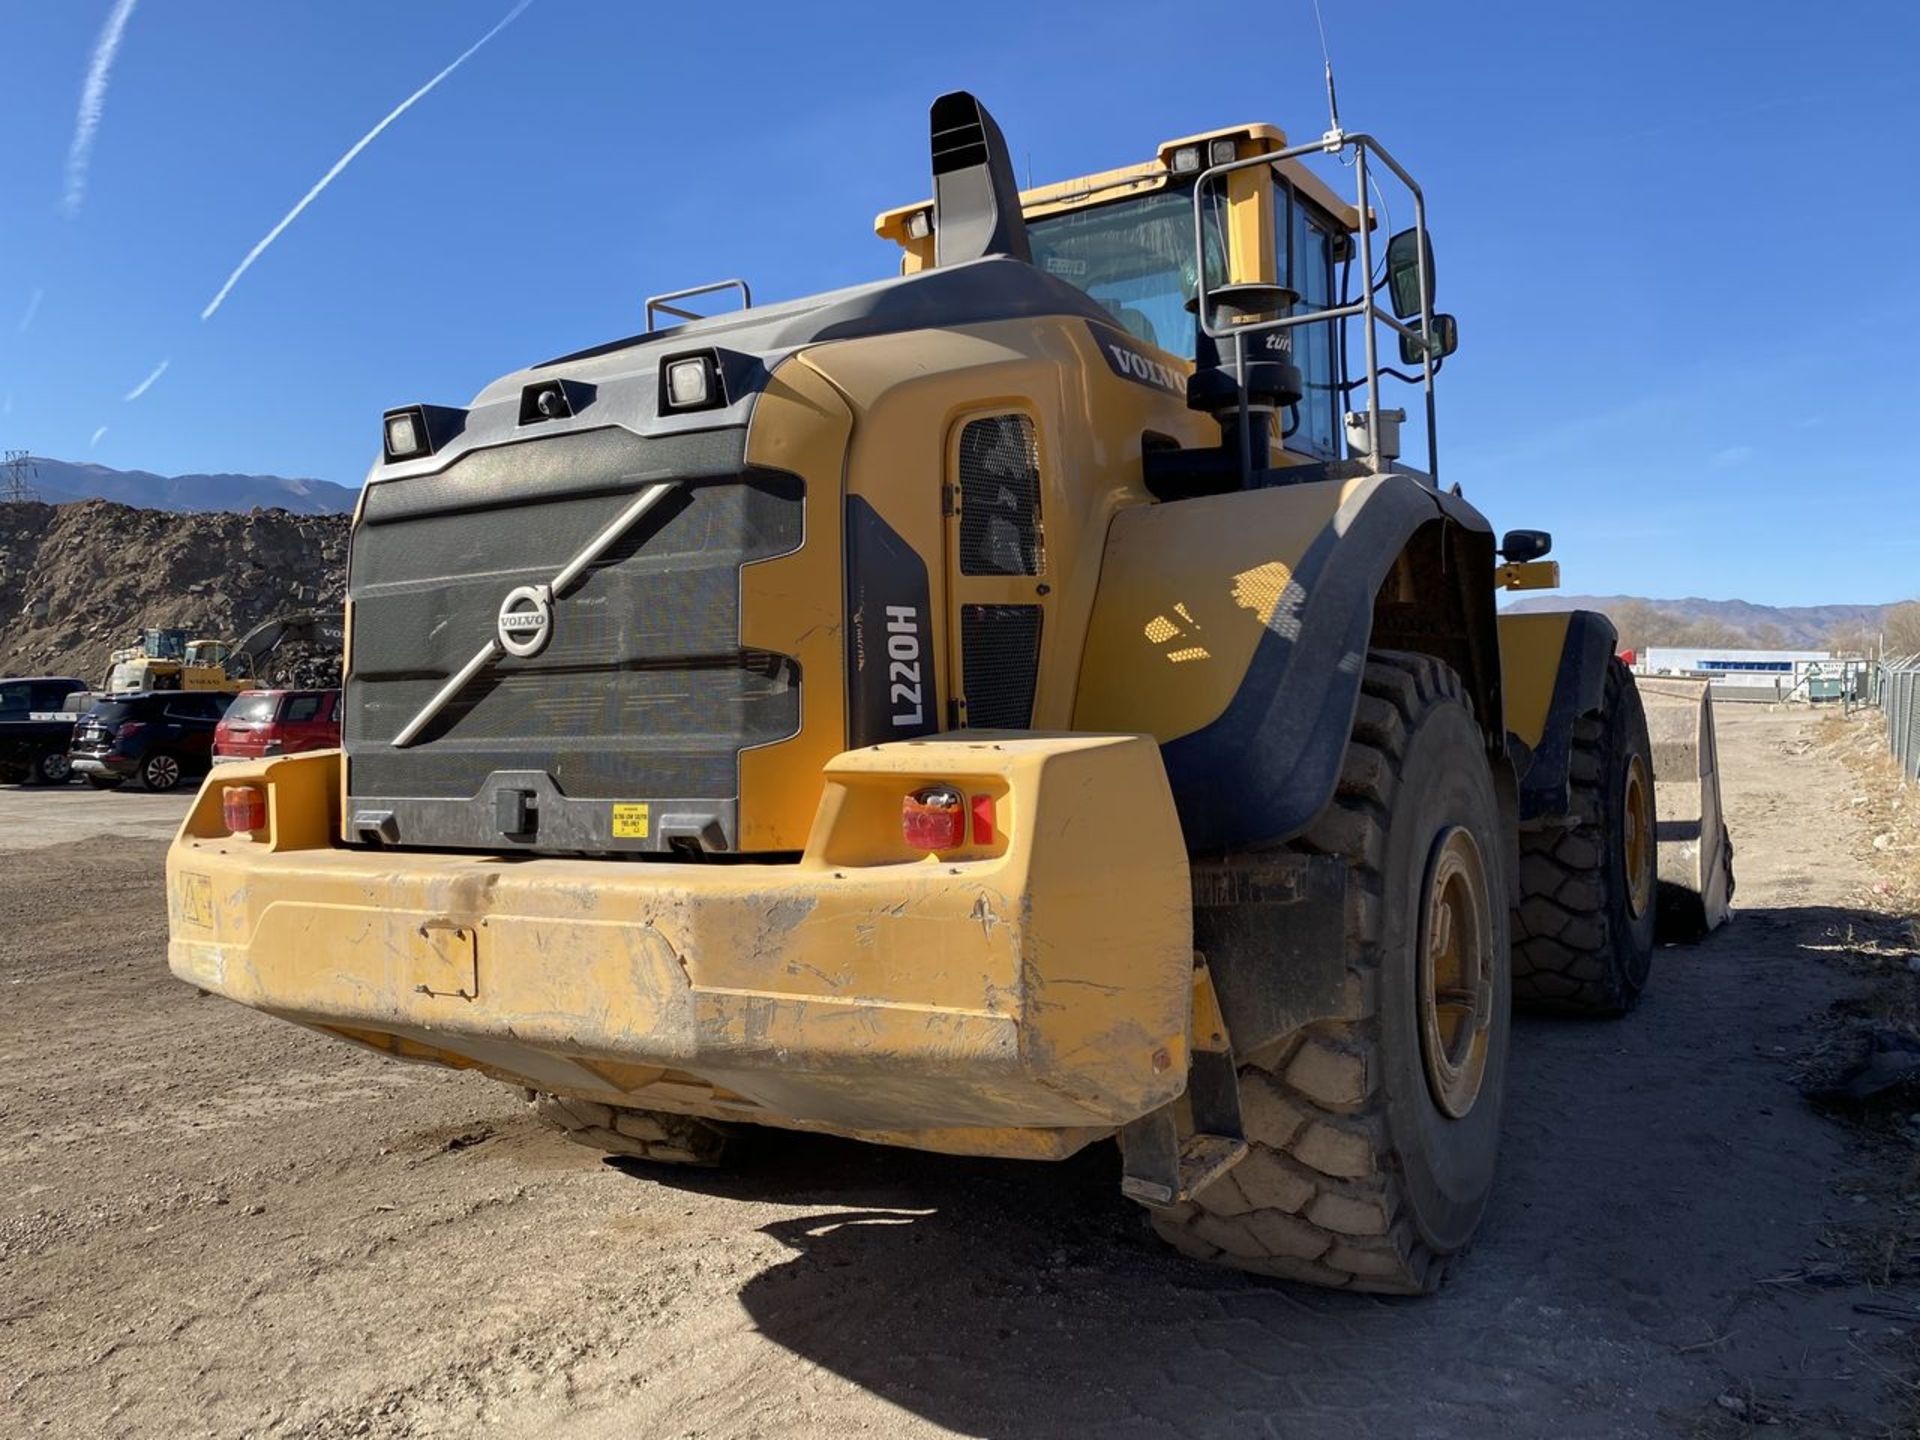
x=1693 y=620
x=60 y=482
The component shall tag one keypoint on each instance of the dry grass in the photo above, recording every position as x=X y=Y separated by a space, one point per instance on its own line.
x=1889 y=805
x=1882 y=944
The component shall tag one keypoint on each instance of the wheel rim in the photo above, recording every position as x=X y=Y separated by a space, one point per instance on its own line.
x=162 y=772
x=1638 y=810
x=55 y=768
x=1456 y=972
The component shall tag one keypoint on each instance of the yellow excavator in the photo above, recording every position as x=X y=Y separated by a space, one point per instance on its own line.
x=1019 y=704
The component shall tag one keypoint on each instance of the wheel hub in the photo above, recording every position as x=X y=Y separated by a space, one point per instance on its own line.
x=1456 y=972
x=1638 y=839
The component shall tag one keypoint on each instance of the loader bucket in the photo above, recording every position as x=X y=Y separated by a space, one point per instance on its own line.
x=1695 y=852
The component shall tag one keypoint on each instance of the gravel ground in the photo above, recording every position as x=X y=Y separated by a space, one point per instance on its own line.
x=213 y=1223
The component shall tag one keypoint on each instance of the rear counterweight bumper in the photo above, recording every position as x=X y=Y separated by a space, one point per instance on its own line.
x=1038 y=981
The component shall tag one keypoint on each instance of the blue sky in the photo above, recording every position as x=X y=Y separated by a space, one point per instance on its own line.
x=1663 y=226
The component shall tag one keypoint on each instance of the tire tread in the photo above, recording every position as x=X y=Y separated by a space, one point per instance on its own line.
x=1345 y=1230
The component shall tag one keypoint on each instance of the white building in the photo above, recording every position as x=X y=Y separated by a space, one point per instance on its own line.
x=1755 y=674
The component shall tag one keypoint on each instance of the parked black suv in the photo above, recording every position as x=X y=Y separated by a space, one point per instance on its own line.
x=156 y=738
x=36 y=727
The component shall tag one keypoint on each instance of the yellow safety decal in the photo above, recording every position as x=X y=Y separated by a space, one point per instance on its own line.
x=630 y=822
x=196 y=900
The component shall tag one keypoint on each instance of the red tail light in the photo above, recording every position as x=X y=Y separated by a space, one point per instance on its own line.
x=128 y=729
x=934 y=818
x=245 y=807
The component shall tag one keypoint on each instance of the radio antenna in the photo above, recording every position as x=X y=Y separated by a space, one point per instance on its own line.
x=1333 y=104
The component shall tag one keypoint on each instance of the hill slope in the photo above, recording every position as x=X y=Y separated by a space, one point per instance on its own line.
x=61 y=482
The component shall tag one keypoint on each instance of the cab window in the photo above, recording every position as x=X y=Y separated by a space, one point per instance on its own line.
x=1135 y=258
x=1306 y=243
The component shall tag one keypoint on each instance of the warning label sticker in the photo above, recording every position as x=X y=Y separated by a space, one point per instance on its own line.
x=630 y=822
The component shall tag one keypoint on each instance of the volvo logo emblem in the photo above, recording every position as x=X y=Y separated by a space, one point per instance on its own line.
x=526 y=620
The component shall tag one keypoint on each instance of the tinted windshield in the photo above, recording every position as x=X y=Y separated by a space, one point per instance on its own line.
x=15 y=700
x=1135 y=257
x=111 y=712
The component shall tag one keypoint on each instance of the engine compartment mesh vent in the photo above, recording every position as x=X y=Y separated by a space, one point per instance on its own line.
x=999 y=497
x=1000 y=661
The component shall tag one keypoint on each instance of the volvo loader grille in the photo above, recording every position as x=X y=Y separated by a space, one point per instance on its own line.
x=613 y=706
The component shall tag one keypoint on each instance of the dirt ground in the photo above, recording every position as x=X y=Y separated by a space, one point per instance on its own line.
x=212 y=1223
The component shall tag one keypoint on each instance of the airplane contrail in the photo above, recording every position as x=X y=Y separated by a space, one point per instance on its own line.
x=347 y=159
x=147 y=384
x=96 y=437
x=93 y=101
x=33 y=309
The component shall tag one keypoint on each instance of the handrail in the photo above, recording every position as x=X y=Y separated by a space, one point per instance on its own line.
x=659 y=302
x=1335 y=142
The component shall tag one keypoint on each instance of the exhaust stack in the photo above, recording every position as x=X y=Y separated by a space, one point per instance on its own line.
x=976 y=206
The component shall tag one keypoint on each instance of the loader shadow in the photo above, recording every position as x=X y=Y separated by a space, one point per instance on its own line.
x=1010 y=1299
x=1017 y=1300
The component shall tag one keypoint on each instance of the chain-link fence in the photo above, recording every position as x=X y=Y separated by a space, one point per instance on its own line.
x=1896 y=687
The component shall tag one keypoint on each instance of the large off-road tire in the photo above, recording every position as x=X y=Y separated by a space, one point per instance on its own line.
x=638 y=1134
x=1373 y=1136
x=1584 y=919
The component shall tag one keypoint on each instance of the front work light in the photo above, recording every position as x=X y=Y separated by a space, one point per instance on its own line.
x=411 y=431
x=919 y=225
x=691 y=382
x=404 y=437
x=1186 y=160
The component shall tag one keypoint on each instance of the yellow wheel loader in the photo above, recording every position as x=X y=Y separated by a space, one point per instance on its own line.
x=1015 y=705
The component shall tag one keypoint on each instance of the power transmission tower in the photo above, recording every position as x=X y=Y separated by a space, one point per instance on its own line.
x=16 y=479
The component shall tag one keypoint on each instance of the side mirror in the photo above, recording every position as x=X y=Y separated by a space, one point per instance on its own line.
x=1519 y=546
x=1446 y=340
x=1403 y=272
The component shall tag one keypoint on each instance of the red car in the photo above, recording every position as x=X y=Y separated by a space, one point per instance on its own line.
x=277 y=722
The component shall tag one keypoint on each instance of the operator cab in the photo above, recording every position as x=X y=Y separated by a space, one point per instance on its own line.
x=1278 y=232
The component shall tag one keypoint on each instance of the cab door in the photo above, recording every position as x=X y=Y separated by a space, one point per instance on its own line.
x=996 y=570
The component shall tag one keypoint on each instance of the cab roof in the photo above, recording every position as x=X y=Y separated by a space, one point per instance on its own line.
x=1139 y=179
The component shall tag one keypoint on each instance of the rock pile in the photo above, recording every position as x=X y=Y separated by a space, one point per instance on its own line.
x=79 y=581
